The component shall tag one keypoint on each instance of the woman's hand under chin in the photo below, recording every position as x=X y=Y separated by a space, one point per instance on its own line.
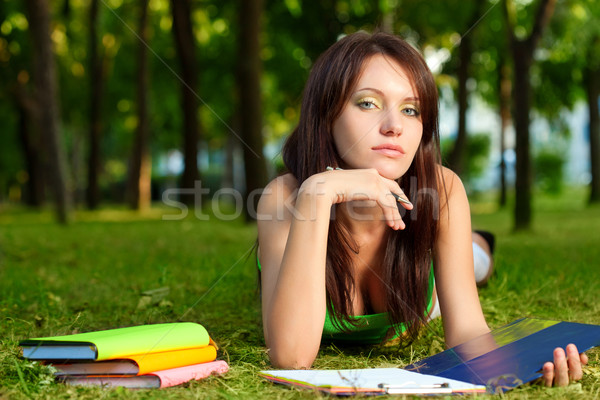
x=566 y=367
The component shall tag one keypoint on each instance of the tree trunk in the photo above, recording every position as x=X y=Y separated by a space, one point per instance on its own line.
x=522 y=104
x=457 y=155
x=46 y=91
x=228 y=178
x=29 y=135
x=456 y=158
x=96 y=84
x=139 y=179
x=66 y=9
x=592 y=83
x=504 y=103
x=328 y=18
x=249 y=101
x=388 y=15
x=522 y=53
x=184 y=40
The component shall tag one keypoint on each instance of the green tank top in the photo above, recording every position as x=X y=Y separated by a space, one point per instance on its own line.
x=371 y=328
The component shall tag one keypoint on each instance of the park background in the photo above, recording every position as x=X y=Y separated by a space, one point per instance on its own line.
x=118 y=114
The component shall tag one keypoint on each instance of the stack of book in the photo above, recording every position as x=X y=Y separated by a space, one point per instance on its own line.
x=148 y=356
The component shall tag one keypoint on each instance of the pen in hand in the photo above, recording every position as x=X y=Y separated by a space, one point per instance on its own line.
x=400 y=198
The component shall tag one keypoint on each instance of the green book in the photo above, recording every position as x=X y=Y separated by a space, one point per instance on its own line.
x=117 y=343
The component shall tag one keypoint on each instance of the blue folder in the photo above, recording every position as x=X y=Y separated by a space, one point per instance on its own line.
x=508 y=356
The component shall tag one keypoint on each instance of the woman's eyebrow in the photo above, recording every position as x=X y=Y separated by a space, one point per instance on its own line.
x=372 y=90
x=381 y=93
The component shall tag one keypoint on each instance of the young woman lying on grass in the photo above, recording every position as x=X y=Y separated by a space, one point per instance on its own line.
x=340 y=260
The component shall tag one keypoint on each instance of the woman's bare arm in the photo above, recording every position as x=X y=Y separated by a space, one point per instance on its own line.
x=292 y=233
x=455 y=281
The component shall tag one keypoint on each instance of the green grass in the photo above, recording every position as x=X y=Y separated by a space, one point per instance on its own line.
x=89 y=276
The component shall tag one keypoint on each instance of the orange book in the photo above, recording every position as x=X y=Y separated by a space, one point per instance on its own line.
x=139 y=364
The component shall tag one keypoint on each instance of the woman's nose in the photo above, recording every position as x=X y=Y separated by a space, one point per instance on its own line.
x=392 y=123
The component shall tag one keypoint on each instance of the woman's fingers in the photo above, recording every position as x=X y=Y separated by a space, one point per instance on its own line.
x=397 y=197
x=402 y=200
x=566 y=367
x=561 y=367
x=383 y=191
x=390 y=211
x=368 y=185
x=574 y=362
x=548 y=374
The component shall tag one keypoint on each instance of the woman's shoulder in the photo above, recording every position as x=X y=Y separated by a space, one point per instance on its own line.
x=449 y=179
x=278 y=194
x=283 y=184
x=452 y=192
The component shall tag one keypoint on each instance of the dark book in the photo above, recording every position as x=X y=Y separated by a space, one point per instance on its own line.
x=508 y=356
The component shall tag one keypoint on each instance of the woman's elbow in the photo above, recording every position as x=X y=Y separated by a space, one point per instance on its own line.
x=291 y=360
x=289 y=350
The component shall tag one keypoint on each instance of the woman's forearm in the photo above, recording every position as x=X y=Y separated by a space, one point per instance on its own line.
x=296 y=313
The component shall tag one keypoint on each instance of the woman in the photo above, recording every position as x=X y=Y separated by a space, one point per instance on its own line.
x=339 y=258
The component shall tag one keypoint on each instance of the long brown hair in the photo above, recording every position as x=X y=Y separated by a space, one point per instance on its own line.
x=310 y=149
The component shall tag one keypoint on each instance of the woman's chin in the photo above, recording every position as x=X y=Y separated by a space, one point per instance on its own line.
x=386 y=170
x=391 y=173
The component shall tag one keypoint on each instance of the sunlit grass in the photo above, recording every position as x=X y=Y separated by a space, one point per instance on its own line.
x=89 y=276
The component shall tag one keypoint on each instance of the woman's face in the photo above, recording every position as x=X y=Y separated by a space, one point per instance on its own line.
x=380 y=126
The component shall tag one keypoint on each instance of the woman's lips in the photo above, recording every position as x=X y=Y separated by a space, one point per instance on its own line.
x=389 y=150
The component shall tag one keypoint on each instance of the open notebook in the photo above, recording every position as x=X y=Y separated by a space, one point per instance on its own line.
x=370 y=381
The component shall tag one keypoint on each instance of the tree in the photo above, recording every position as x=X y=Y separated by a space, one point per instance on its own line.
x=249 y=104
x=140 y=169
x=29 y=135
x=388 y=15
x=570 y=72
x=522 y=50
x=184 y=40
x=20 y=150
x=46 y=95
x=504 y=95
x=465 y=52
x=592 y=86
x=96 y=85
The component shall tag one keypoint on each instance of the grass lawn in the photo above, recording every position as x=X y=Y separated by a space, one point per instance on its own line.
x=90 y=275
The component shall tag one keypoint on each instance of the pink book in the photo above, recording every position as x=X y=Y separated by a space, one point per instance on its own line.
x=177 y=376
x=157 y=379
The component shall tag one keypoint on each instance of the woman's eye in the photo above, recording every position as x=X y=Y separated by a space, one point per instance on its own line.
x=367 y=104
x=411 y=112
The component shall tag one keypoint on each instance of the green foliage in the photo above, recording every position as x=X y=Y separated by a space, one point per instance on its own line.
x=288 y=51
x=558 y=77
x=476 y=154
x=478 y=151
x=548 y=166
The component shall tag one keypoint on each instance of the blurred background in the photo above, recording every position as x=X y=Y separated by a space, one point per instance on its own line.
x=112 y=102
